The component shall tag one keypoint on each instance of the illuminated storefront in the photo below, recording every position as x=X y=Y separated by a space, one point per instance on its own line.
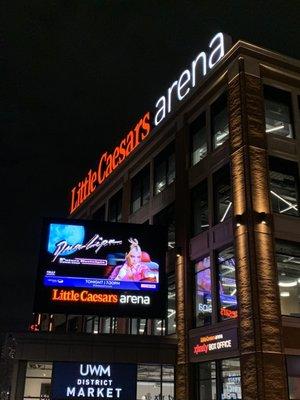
x=216 y=162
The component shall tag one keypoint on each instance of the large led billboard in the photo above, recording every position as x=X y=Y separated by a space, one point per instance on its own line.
x=101 y=268
x=93 y=380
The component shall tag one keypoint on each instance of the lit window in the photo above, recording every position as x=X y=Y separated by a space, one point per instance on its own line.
x=140 y=189
x=203 y=299
x=38 y=380
x=199 y=208
x=219 y=121
x=198 y=139
x=164 y=169
x=155 y=382
x=222 y=195
x=227 y=284
x=284 y=186
x=278 y=112
x=231 y=379
x=288 y=266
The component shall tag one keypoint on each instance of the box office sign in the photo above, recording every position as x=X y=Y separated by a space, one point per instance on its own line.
x=211 y=345
x=107 y=269
x=93 y=381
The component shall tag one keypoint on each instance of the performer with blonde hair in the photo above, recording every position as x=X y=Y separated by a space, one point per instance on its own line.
x=134 y=269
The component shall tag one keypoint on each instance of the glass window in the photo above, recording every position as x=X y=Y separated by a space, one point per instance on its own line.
x=288 y=266
x=155 y=382
x=222 y=194
x=284 y=186
x=207 y=381
x=293 y=371
x=99 y=215
x=219 y=121
x=203 y=301
x=278 y=112
x=140 y=189
x=115 y=208
x=38 y=380
x=200 y=208
x=231 y=379
x=171 y=319
x=166 y=217
x=227 y=284
x=164 y=169
x=198 y=139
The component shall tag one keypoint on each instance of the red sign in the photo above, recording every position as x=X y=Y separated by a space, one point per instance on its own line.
x=108 y=162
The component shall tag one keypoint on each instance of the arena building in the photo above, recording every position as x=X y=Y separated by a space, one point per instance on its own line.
x=217 y=162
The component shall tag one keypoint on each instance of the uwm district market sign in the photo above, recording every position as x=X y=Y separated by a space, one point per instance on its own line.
x=205 y=347
x=178 y=90
x=93 y=381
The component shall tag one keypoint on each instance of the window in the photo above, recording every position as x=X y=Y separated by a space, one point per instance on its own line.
x=38 y=380
x=293 y=372
x=219 y=120
x=219 y=380
x=140 y=189
x=155 y=382
x=203 y=299
x=278 y=112
x=115 y=208
x=171 y=318
x=222 y=194
x=198 y=139
x=207 y=387
x=231 y=379
x=164 y=169
x=99 y=215
x=166 y=217
x=284 y=186
x=227 y=284
x=288 y=266
x=200 y=208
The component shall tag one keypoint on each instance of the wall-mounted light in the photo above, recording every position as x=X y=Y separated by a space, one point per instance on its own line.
x=262 y=218
x=238 y=220
x=178 y=251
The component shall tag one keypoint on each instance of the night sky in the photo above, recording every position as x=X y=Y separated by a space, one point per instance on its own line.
x=75 y=76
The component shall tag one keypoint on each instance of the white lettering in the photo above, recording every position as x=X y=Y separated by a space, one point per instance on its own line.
x=70 y=391
x=94 y=370
x=161 y=110
x=90 y=392
x=182 y=83
x=170 y=95
x=213 y=58
x=199 y=67
x=202 y=55
x=132 y=299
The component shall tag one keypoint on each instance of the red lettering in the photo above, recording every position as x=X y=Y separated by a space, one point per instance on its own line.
x=122 y=151
x=101 y=174
x=146 y=125
x=115 y=162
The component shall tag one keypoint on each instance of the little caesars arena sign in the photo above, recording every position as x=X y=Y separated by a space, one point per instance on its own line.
x=178 y=90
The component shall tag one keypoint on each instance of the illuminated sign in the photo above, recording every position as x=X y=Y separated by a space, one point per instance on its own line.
x=109 y=162
x=93 y=380
x=91 y=267
x=179 y=89
x=209 y=345
x=191 y=76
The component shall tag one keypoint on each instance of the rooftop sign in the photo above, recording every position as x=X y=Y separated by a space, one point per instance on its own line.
x=178 y=90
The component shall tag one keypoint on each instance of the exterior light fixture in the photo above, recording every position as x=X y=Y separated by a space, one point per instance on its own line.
x=178 y=251
x=238 y=220
x=262 y=218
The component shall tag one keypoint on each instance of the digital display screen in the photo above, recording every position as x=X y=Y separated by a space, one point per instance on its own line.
x=108 y=269
x=93 y=380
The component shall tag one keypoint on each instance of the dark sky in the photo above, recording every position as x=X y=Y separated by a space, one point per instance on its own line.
x=75 y=75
